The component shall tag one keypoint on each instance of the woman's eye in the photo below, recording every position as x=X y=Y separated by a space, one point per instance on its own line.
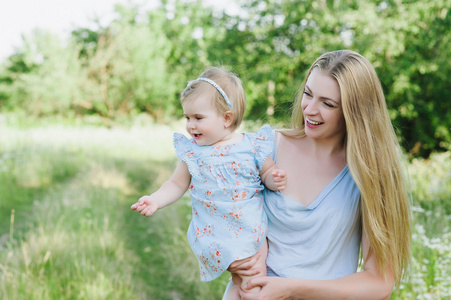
x=198 y=118
x=328 y=104
x=307 y=94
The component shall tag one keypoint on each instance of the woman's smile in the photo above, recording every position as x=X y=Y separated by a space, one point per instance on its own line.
x=312 y=124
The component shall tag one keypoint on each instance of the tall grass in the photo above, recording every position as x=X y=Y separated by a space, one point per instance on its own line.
x=67 y=231
x=430 y=185
x=74 y=235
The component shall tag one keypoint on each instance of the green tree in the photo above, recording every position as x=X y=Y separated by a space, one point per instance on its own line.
x=189 y=27
x=419 y=72
x=141 y=62
x=127 y=66
x=273 y=42
x=143 y=59
x=44 y=76
x=407 y=43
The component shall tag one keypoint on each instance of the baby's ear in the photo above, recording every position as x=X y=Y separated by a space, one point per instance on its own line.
x=228 y=118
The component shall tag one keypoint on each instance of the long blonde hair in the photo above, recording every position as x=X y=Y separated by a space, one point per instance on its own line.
x=373 y=156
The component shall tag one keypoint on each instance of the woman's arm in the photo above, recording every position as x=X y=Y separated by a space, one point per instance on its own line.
x=368 y=284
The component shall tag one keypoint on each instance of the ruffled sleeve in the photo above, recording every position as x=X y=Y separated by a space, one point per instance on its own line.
x=184 y=149
x=263 y=142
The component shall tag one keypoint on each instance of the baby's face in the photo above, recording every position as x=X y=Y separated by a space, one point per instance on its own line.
x=203 y=122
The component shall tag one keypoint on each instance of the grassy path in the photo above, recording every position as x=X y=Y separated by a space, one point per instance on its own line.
x=75 y=236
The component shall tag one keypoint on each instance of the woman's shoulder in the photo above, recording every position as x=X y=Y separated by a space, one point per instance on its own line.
x=282 y=137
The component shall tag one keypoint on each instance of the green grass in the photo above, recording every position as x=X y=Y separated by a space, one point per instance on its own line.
x=73 y=235
x=430 y=271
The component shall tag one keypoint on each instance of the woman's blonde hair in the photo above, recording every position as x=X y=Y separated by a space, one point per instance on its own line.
x=230 y=84
x=373 y=156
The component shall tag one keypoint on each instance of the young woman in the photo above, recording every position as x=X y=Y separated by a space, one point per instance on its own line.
x=345 y=190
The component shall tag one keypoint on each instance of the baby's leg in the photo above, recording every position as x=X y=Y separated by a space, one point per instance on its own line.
x=234 y=293
x=261 y=265
x=240 y=281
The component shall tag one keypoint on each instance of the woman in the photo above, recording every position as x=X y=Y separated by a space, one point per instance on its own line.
x=344 y=189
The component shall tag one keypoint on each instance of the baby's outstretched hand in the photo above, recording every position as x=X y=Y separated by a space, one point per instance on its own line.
x=146 y=206
x=279 y=178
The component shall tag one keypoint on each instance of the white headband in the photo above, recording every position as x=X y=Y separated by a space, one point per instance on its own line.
x=218 y=88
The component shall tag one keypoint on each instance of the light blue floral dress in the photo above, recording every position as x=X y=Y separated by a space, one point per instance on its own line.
x=228 y=221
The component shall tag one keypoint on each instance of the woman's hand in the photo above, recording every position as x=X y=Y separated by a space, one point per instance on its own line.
x=245 y=267
x=272 y=288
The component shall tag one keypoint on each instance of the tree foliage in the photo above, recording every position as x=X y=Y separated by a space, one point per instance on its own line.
x=143 y=59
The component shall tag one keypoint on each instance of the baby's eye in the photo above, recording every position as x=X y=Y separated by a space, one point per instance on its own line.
x=198 y=118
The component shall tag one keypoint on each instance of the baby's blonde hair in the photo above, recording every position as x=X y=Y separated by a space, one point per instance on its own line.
x=373 y=156
x=230 y=84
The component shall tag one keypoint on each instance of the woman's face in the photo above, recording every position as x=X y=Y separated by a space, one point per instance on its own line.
x=321 y=105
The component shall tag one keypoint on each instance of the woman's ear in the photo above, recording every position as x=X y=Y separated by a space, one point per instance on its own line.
x=228 y=118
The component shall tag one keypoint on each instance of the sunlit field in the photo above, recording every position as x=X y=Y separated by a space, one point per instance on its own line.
x=67 y=231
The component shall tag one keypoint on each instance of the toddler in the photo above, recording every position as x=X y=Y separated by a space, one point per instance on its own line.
x=224 y=171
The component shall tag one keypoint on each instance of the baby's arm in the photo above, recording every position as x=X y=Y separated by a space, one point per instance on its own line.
x=272 y=177
x=168 y=193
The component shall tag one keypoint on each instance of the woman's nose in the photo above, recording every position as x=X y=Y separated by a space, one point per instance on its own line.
x=311 y=107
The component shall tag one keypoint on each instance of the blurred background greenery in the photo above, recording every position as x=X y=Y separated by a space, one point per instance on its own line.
x=86 y=127
x=141 y=60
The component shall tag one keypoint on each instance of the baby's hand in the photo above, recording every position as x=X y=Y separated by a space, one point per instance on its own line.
x=146 y=206
x=279 y=178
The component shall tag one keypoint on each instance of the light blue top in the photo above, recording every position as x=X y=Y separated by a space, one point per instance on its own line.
x=228 y=222
x=320 y=241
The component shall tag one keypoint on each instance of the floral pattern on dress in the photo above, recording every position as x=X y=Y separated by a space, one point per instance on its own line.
x=228 y=220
